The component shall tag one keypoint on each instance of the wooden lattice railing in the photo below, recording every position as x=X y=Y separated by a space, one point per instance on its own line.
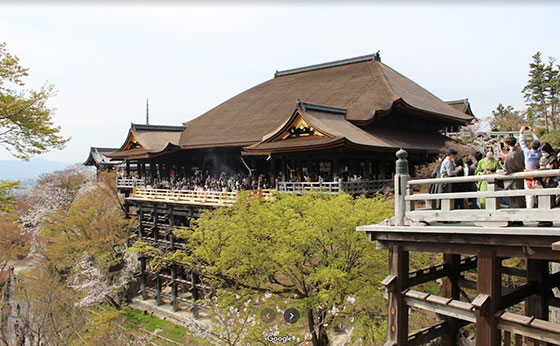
x=205 y=198
x=352 y=187
x=129 y=183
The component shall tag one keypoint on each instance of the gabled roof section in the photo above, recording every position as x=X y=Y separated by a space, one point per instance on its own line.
x=331 y=129
x=97 y=157
x=145 y=140
x=364 y=86
x=463 y=106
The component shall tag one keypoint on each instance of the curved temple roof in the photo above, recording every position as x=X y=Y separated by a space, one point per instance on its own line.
x=147 y=140
x=363 y=85
x=328 y=128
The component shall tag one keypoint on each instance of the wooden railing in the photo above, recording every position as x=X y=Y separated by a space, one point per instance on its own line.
x=519 y=329
x=130 y=182
x=426 y=207
x=354 y=187
x=204 y=198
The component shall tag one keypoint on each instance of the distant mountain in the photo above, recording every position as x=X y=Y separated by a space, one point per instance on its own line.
x=26 y=170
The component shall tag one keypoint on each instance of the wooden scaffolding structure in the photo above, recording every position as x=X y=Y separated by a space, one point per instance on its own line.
x=475 y=239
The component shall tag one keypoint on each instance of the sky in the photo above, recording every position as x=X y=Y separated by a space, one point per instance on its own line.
x=105 y=60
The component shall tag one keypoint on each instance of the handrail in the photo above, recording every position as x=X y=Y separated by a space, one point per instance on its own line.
x=488 y=177
x=440 y=207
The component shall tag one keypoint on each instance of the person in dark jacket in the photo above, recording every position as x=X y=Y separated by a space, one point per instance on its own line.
x=460 y=187
x=514 y=162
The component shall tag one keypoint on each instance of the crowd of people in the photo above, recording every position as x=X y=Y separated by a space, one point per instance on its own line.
x=515 y=156
x=207 y=182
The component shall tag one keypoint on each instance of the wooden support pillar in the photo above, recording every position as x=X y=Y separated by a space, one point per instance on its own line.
x=174 y=287
x=140 y=216
x=397 y=331
x=537 y=304
x=272 y=170
x=450 y=289
x=194 y=293
x=171 y=218
x=138 y=168
x=127 y=168
x=143 y=277
x=158 y=290
x=489 y=282
x=155 y=221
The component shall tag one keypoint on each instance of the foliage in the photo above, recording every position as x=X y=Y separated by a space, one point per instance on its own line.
x=303 y=248
x=46 y=314
x=552 y=137
x=505 y=118
x=26 y=125
x=12 y=244
x=52 y=191
x=6 y=200
x=541 y=92
x=92 y=224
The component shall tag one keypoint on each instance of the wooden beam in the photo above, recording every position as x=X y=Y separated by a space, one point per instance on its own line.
x=428 y=334
x=450 y=289
x=439 y=271
x=519 y=294
x=514 y=271
x=488 y=283
x=530 y=327
x=397 y=331
x=440 y=305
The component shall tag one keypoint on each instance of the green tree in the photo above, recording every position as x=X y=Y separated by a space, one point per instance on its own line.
x=301 y=248
x=26 y=125
x=541 y=92
x=6 y=200
x=505 y=118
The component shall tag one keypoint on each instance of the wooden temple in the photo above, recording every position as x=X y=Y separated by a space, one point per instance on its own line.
x=476 y=247
x=331 y=120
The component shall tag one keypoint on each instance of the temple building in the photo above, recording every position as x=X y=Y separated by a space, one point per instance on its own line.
x=97 y=158
x=327 y=121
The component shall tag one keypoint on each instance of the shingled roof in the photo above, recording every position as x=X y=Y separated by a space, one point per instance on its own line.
x=363 y=86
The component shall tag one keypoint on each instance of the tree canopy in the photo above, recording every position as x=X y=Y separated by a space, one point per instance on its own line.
x=542 y=91
x=26 y=125
x=303 y=248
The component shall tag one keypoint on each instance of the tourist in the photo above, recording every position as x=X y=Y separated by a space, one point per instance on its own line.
x=532 y=156
x=449 y=169
x=514 y=162
x=460 y=187
x=470 y=167
x=487 y=165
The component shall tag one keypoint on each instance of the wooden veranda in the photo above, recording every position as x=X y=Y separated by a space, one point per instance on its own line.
x=471 y=240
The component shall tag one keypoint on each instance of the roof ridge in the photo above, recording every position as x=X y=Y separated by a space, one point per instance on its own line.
x=335 y=63
x=465 y=100
x=150 y=127
x=321 y=108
